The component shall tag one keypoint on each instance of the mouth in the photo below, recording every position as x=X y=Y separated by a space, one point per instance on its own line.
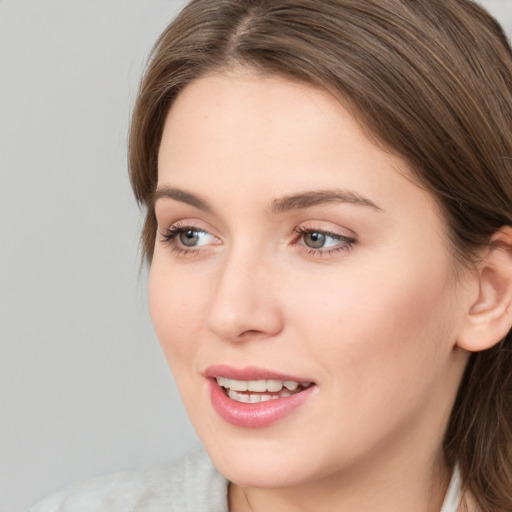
x=252 y=398
x=263 y=390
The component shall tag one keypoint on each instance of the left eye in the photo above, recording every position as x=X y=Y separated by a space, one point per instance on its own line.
x=317 y=240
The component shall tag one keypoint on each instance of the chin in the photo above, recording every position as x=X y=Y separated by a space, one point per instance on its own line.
x=266 y=458
x=260 y=469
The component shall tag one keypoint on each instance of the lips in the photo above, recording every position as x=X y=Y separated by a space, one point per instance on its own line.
x=249 y=373
x=253 y=397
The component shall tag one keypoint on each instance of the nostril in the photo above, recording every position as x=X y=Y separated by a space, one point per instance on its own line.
x=252 y=334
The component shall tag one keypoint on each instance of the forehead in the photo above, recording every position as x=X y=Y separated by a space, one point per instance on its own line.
x=268 y=117
x=245 y=126
x=266 y=135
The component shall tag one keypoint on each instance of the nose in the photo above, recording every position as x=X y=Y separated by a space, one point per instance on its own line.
x=245 y=302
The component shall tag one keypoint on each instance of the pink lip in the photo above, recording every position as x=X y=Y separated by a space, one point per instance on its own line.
x=248 y=373
x=255 y=415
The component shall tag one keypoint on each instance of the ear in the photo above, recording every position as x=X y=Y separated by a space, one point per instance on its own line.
x=490 y=317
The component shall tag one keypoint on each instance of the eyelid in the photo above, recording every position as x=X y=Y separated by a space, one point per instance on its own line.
x=171 y=233
x=346 y=241
x=329 y=228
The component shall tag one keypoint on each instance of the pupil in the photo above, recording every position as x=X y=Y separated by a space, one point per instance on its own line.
x=315 y=240
x=189 y=237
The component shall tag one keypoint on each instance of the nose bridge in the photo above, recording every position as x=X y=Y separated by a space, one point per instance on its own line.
x=244 y=302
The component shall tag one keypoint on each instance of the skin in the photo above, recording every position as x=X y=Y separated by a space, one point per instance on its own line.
x=373 y=323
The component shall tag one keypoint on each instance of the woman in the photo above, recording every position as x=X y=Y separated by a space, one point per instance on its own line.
x=328 y=191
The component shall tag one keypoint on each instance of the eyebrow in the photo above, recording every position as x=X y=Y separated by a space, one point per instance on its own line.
x=308 y=199
x=298 y=201
x=182 y=196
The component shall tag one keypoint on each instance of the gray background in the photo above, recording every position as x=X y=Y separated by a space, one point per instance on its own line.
x=83 y=386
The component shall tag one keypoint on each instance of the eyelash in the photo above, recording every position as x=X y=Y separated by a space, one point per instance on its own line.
x=345 y=243
x=169 y=238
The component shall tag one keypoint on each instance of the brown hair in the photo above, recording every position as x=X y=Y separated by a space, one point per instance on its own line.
x=431 y=80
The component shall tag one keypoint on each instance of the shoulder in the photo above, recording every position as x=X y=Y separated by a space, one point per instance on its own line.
x=189 y=484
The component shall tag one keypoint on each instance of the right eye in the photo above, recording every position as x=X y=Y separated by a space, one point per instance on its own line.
x=185 y=239
x=191 y=237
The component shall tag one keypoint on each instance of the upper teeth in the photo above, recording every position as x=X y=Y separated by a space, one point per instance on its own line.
x=261 y=386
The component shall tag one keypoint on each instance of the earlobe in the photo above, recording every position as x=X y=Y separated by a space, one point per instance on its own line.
x=490 y=316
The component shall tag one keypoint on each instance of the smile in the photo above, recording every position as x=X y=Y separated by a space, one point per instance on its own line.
x=255 y=391
x=255 y=398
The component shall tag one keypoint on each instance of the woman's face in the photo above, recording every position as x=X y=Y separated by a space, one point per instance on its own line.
x=292 y=250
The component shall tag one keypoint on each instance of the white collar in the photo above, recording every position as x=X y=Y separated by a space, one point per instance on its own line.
x=453 y=494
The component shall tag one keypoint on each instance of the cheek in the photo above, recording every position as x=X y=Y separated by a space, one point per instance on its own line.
x=177 y=309
x=382 y=346
x=377 y=324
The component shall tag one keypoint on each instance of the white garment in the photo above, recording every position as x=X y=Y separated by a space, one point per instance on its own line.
x=191 y=484
x=453 y=494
